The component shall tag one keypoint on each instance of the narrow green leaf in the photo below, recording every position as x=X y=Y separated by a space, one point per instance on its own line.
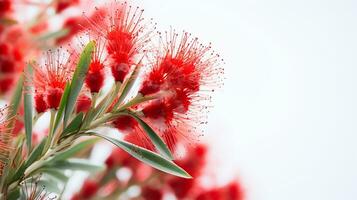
x=74 y=150
x=74 y=125
x=155 y=139
x=16 y=97
x=35 y=155
x=78 y=79
x=148 y=157
x=62 y=106
x=14 y=194
x=77 y=164
x=28 y=106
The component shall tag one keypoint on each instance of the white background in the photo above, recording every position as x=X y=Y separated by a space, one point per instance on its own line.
x=285 y=121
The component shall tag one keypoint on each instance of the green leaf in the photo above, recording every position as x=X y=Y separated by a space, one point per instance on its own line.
x=62 y=106
x=28 y=106
x=16 y=97
x=74 y=150
x=148 y=157
x=14 y=194
x=35 y=155
x=74 y=125
x=78 y=79
x=77 y=164
x=155 y=139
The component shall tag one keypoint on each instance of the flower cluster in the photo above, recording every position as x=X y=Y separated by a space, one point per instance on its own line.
x=108 y=67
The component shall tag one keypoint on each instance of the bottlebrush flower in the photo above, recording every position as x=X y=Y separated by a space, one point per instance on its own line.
x=124 y=31
x=11 y=63
x=151 y=193
x=83 y=103
x=183 y=68
x=64 y=4
x=88 y=190
x=50 y=78
x=78 y=24
x=231 y=191
x=96 y=74
x=15 y=47
x=6 y=122
x=183 y=73
x=5 y=6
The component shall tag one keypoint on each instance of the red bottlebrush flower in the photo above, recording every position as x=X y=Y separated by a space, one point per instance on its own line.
x=73 y=25
x=64 y=4
x=234 y=191
x=40 y=103
x=50 y=79
x=89 y=189
x=150 y=193
x=181 y=187
x=6 y=84
x=214 y=194
x=14 y=45
x=123 y=29
x=125 y=123
x=83 y=103
x=5 y=6
x=78 y=24
x=159 y=109
x=194 y=160
x=96 y=73
x=5 y=136
x=39 y=28
x=118 y=158
x=10 y=65
x=184 y=67
x=183 y=73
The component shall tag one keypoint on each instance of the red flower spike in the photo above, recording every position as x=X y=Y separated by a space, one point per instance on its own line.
x=73 y=25
x=184 y=72
x=125 y=123
x=6 y=84
x=83 y=103
x=214 y=194
x=64 y=4
x=124 y=31
x=181 y=187
x=150 y=193
x=89 y=189
x=40 y=103
x=159 y=109
x=11 y=62
x=119 y=157
x=5 y=6
x=96 y=73
x=50 y=79
x=234 y=191
x=184 y=67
